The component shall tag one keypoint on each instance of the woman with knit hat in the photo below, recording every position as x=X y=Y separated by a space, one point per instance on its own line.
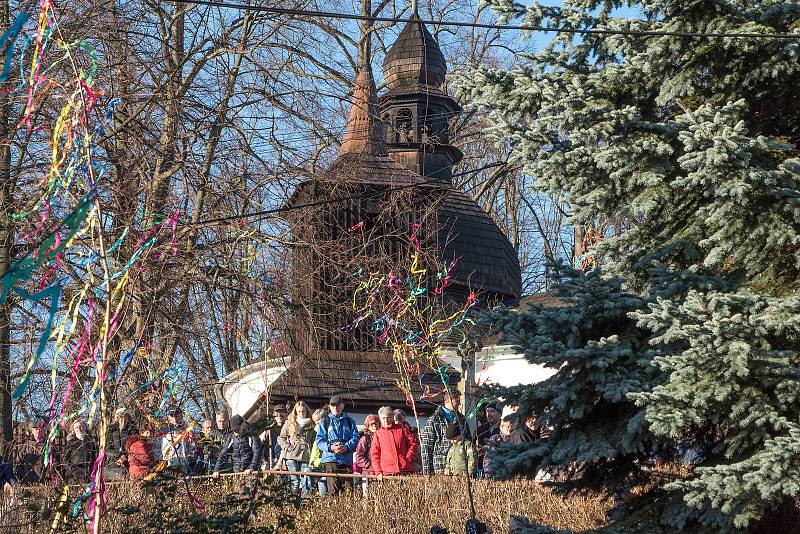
x=363 y=460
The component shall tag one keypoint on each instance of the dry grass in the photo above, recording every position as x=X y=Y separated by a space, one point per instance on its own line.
x=393 y=507
x=404 y=507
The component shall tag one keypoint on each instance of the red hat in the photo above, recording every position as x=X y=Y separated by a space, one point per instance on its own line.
x=371 y=419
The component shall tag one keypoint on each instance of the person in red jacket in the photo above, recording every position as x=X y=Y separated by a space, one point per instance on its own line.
x=400 y=419
x=393 y=446
x=140 y=457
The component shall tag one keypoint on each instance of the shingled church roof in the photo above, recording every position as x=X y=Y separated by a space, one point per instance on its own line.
x=415 y=58
x=364 y=131
x=487 y=262
x=366 y=380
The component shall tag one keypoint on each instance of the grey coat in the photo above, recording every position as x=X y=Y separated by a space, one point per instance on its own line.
x=298 y=445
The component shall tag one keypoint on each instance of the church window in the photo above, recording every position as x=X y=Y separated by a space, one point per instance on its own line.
x=403 y=126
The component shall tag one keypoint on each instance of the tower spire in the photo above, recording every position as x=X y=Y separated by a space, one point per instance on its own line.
x=364 y=131
x=416 y=110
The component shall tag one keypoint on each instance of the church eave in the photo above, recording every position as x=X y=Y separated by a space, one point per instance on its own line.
x=413 y=94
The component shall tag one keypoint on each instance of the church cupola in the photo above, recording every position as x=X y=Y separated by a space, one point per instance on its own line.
x=416 y=112
x=414 y=59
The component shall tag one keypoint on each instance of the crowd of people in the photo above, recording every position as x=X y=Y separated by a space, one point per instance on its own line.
x=298 y=442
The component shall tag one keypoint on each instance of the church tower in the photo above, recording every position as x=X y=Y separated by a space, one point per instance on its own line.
x=417 y=115
x=393 y=175
x=415 y=110
x=350 y=221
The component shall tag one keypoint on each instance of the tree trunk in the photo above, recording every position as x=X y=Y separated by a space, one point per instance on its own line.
x=6 y=242
x=146 y=294
x=578 y=247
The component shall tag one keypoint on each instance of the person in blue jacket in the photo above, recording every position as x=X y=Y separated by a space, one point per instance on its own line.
x=337 y=438
x=7 y=479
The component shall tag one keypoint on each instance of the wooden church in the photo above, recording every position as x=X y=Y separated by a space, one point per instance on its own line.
x=393 y=174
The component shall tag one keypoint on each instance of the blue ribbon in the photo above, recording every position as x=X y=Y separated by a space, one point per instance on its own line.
x=8 y=39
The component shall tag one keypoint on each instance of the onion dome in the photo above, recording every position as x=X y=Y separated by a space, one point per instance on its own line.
x=415 y=58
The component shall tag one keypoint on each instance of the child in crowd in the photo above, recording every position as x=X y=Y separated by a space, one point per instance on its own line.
x=315 y=462
x=461 y=456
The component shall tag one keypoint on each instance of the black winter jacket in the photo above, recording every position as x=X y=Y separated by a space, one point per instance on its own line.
x=79 y=457
x=28 y=465
x=523 y=434
x=245 y=451
x=119 y=436
x=6 y=474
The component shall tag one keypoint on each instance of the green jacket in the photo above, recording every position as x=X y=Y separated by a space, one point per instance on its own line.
x=457 y=463
x=316 y=457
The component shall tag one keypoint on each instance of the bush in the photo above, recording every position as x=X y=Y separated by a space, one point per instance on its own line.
x=402 y=506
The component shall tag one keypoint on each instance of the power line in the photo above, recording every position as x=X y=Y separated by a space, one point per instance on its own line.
x=483 y=25
x=266 y=214
x=269 y=213
x=291 y=137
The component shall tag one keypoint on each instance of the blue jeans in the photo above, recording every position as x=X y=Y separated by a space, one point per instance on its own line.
x=294 y=480
x=309 y=482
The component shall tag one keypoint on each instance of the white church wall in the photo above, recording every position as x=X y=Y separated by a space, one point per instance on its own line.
x=502 y=365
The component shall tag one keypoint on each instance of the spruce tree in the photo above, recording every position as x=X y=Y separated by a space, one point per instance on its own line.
x=600 y=356
x=692 y=140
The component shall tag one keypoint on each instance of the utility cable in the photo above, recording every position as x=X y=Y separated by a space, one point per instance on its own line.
x=266 y=214
x=272 y=213
x=519 y=27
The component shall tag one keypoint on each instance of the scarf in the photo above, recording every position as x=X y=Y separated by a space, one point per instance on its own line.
x=302 y=421
x=449 y=414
